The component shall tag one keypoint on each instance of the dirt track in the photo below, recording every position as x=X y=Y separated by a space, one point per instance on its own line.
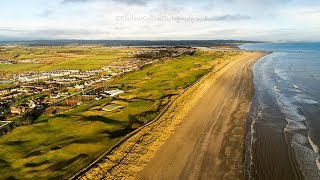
x=199 y=137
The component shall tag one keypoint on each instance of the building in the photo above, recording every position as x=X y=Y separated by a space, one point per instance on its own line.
x=18 y=110
x=114 y=93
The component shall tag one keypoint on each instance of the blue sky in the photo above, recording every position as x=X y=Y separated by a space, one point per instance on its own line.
x=270 y=20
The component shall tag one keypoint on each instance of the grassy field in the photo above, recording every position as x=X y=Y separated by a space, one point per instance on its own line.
x=60 y=145
x=5 y=85
x=64 y=57
x=18 y=67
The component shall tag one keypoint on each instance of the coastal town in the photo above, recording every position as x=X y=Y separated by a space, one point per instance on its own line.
x=33 y=93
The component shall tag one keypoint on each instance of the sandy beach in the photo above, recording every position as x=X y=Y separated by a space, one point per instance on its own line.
x=200 y=136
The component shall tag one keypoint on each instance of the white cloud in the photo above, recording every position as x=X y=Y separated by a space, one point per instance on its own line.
x=225 y=19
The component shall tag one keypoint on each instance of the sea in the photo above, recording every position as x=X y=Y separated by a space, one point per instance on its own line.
x=283 y=126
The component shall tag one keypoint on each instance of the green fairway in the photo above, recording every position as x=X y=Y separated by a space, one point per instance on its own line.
x=57 y=146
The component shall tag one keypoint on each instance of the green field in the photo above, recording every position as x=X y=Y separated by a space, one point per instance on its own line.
x=18 y=67
x=56 y=146
x=63 y=57
x=6 y=85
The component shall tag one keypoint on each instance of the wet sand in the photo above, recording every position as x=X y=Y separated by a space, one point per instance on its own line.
x=201 y=135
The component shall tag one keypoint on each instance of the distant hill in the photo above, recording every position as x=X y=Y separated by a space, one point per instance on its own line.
x=201 y=43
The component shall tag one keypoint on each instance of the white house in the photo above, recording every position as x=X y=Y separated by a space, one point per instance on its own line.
x=114 y=93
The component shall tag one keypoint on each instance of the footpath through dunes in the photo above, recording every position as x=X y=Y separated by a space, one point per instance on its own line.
x=200 y=136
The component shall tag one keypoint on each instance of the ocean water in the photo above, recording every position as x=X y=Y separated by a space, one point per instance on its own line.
x=283 y=126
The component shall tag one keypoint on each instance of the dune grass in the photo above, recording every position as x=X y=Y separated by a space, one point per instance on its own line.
x=57 y=146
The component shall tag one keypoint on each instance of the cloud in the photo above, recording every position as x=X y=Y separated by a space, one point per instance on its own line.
x=98 y=19
x=229 y=17
x=127 y=2
x=74 y=1
x=53 y=33
x=133 y=2
x=46 y=13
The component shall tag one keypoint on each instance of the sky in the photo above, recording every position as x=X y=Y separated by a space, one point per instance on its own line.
x=263 y=20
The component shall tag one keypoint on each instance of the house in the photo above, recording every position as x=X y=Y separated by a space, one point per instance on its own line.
x=72 y=102
x=98 y=98
x=18 y=110
x=54 y=96
x=64 y=94
x=79 y=86
x=31 y=104
x=114 y=93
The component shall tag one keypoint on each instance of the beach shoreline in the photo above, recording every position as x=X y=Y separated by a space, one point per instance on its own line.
x=178 y=145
